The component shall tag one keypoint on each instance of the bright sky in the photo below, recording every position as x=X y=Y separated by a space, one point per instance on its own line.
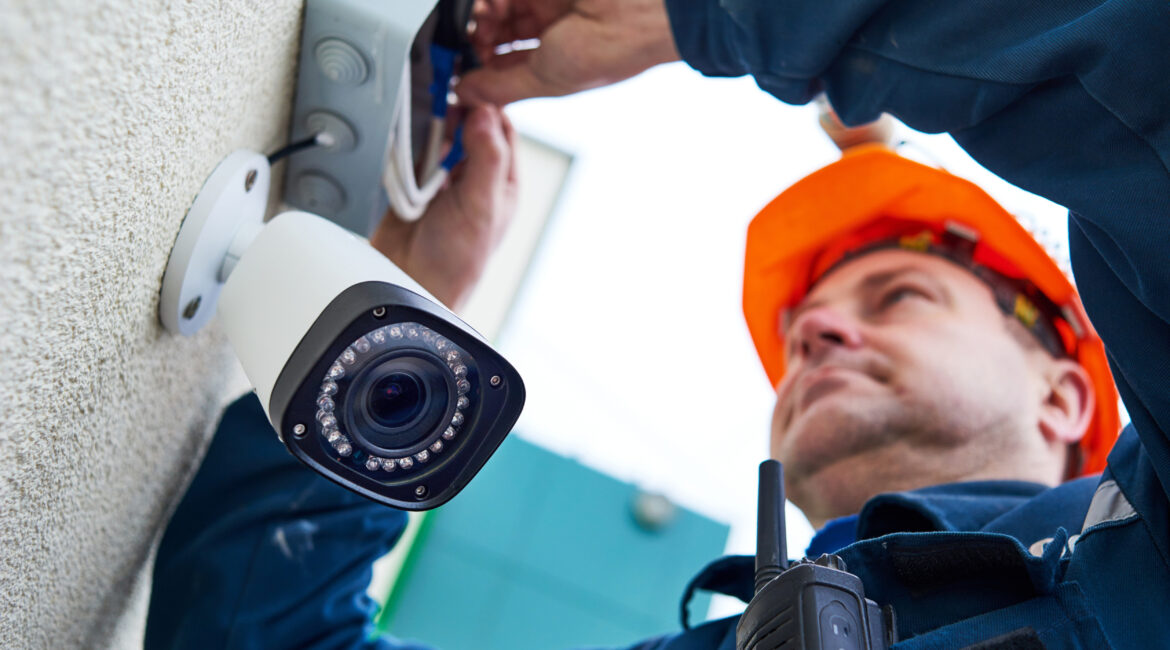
x=628 y=330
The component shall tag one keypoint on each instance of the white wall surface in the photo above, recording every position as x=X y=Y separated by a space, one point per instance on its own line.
x=112 y=114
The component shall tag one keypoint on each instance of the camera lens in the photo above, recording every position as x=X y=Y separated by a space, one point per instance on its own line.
x=396 y=399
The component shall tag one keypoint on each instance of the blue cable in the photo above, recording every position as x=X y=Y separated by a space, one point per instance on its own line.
x=443 y=65
x=456 y=153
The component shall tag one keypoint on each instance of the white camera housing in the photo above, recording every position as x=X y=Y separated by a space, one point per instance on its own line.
x=365 y=377
x=297 y=264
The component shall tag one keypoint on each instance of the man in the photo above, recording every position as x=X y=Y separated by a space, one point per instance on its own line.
x=897 y=309
x=901 y=367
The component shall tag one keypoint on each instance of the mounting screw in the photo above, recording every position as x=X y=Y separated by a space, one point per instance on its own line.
x=653 y=512
x=495 y=381
x=379 y=312
x=420 y=491
x=192 y=307
x=250 y=180
x=299 y=430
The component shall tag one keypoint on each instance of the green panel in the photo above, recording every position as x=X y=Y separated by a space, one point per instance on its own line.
x=542 y=552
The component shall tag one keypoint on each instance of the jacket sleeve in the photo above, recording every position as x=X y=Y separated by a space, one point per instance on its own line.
x=1068 y=99
x=264 y=553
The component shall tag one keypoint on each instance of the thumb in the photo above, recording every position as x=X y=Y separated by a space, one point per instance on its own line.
x=489 y=158
x=562 y=64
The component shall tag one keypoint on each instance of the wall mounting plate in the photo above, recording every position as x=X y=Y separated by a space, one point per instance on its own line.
x=235 y=195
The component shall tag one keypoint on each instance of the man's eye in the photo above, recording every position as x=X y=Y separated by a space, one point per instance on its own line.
x=899 y=294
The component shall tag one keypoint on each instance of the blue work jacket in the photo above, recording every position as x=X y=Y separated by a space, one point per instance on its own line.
x=969 y=562
x=1069 y=99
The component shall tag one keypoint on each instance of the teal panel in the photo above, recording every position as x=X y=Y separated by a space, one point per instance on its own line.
x=542 y=552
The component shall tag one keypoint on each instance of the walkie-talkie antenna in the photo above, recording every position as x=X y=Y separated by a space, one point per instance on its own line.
x=771 y=543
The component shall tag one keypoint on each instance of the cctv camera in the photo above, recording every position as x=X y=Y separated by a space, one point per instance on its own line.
x=366 y=378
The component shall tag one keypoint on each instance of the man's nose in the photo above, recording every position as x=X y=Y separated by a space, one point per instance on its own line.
x=821 y=329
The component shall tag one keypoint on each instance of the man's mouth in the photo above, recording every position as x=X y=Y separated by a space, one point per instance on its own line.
x=823 y=381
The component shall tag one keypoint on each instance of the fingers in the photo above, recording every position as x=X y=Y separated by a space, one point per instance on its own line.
x=487 y=139
x=592 y=44
x=559 y=66
x=447 y=248
x=503 y=21
x=510 y=137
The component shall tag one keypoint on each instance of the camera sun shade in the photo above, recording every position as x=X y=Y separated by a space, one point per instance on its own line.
x=384 y=396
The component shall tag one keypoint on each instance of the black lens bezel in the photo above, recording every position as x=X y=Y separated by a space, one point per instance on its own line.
x=491 y=416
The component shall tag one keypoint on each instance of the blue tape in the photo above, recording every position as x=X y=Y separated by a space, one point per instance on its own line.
x=456 y=153
x=443 y=65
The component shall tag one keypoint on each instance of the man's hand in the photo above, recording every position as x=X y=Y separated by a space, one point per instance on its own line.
x=583 y=44
x=447 y=249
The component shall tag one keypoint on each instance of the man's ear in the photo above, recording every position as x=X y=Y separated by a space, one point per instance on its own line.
x=1067 y=408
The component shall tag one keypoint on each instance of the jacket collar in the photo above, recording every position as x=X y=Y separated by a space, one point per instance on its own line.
x=967 y=506
x=964 y=506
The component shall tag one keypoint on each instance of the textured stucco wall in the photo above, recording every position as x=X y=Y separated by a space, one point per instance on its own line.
x=112 y=114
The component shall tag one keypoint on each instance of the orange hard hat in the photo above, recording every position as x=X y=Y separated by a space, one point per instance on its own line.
x=872 y=196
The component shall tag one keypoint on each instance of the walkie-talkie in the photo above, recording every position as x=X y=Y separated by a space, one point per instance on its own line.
x=810 y=605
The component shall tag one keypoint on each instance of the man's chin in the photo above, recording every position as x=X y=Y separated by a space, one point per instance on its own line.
x=834 y=437
x=829 y=488
x=827 y=428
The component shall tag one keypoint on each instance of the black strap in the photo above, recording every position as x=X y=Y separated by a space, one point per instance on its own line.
x=732 y=576
x=926 y=569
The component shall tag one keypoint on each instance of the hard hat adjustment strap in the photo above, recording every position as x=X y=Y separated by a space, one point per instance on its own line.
x=1016 y=297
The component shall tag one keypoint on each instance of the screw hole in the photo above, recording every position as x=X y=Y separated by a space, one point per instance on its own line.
x=379 y=312
x=420 y=491
x=192 y=307
x=250 y=180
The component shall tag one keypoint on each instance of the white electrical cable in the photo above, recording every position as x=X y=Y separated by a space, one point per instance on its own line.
x=404 y=161
x=401 y=200
x=407 y=199
x=406 y=209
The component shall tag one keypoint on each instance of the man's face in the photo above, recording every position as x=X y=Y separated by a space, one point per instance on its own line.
x=901 y=373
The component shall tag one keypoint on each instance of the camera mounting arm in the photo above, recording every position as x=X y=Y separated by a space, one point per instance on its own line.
x=226 y=215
